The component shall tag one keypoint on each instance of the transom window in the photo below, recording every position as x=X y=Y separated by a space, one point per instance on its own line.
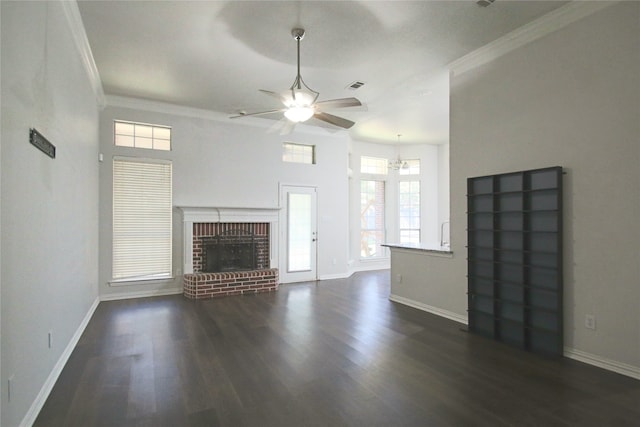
x=412 y=167
x=140 y=135
x=298 y=153
x=374 y=165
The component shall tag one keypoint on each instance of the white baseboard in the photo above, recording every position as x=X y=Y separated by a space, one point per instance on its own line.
x=603 y=362
x=372 y=267
x=335 y=276
x=430 y=309
x=141 y=294
x=41 y=398
x=571 y=353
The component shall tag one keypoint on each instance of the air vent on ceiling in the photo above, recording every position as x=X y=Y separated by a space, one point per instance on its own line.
x=484 y=3
x=355 y=85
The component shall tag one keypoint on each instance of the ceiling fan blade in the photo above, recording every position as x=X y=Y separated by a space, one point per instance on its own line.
x=287 y=127
x=334 y=120
x=339 y=103
x=282 y=126
x=280 y=96
x=256 y=114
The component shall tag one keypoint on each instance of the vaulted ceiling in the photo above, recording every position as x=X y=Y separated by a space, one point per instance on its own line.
x=216 y=55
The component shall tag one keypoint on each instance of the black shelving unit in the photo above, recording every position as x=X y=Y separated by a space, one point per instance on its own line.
x=515 y=258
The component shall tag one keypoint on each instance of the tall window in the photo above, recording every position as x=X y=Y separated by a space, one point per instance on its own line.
x=140 y=135
x=409 y=202
x=372 y=218
x=142 y=219
x=409 y=211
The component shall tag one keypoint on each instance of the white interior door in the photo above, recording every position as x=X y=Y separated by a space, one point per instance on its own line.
x=298 y=241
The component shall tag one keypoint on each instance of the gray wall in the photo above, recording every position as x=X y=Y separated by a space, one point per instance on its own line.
x=49 y=207
x=572 y=99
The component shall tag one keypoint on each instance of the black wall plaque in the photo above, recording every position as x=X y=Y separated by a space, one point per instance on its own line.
x=41 y=143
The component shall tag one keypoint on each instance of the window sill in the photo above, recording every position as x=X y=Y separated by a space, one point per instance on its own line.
x=151 y=280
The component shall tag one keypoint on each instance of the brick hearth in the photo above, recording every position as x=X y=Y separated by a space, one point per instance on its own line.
x=199 y=222
x=210 y=285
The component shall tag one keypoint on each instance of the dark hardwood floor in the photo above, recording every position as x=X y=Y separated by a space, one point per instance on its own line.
x=331 y=353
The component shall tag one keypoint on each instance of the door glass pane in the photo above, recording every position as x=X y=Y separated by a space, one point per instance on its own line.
x=299 y=235
x=409 y=212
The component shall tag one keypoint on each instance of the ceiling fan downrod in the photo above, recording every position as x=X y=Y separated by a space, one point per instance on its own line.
x=301 y=94
x=298 y=34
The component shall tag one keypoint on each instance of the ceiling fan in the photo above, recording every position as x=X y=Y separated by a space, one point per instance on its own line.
x=301 y=102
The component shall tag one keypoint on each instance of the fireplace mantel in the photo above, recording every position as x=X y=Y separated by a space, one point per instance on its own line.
x=191 y=215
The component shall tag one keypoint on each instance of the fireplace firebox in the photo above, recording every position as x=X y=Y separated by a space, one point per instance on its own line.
x=227 y=251
x=233 y=250
x=228 y=247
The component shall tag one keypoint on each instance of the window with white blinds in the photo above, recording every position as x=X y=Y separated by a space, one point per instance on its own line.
x=142 y=219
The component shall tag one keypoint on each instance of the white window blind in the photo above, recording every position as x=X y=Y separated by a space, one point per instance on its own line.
x=142 y=219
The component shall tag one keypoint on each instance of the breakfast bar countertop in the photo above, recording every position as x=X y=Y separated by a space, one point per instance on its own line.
x=420 y=247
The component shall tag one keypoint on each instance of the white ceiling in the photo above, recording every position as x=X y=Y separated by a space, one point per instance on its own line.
x=215 y=55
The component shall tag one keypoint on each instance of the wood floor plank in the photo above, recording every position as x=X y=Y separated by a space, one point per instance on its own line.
x=330 y=353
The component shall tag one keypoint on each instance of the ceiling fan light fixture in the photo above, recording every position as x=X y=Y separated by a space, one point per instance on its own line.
x=300 y=98
x=299 y=114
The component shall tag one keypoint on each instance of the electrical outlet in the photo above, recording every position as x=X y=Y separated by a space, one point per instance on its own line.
x=50 y=338
x=398 y=278
x=9 y=387
x=590 y=321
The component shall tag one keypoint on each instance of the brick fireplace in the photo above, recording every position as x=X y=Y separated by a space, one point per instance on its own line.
x=229 y=251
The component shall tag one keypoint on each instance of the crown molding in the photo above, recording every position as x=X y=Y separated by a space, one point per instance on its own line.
x=163 y=108
x=72 y=13
x=534 y=30
x=199 y=113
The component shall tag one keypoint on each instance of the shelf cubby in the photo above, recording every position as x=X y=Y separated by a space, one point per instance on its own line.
x=515 y=258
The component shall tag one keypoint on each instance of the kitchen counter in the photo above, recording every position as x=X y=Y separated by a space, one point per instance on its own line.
x=433 y=249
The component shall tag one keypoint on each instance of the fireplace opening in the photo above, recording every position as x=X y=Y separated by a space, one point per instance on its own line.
x=224 y=247
x=232 y=250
